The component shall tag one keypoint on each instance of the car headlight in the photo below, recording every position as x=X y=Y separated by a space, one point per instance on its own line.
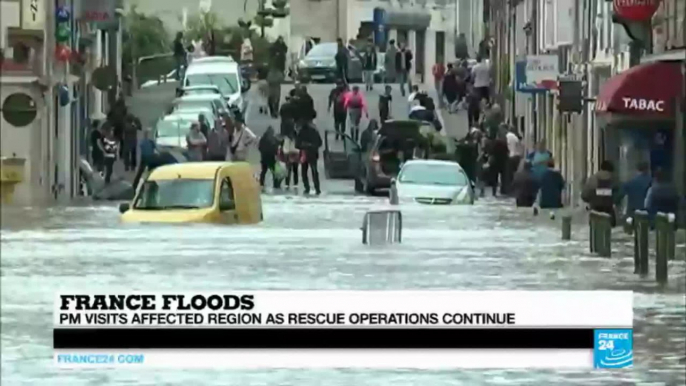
x=302 y=64
x=462 y=196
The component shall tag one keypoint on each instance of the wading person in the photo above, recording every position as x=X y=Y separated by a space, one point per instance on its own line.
x=268 y=147
x=309 y=141
x=356 y=105
x=337 y=99
x=525 y=187
x=635 y=190
x=551 y=186
x=217 y=143
x=600 y=190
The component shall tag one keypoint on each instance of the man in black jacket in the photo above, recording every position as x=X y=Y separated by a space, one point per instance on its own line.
x=277 y=52
x=369 y=65
x=403 y=67
x=305 y=111
x=337 y=101
x=309 y=141
x=288 y=114
x=342 y=57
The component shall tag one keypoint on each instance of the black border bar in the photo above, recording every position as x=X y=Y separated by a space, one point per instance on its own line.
x=322 y=338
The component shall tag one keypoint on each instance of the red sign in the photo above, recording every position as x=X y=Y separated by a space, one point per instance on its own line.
x=95 y=16
x=636 y=10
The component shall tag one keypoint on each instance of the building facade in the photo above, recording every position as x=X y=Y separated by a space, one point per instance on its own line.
x=60 y=88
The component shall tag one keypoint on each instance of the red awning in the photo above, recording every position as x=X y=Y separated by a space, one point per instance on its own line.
x=645 y=90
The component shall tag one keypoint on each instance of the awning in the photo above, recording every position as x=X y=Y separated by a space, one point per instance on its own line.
x=404 y=19
x=649 y=89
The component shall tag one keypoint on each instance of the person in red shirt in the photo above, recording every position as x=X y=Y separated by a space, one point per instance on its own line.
x=438 y=71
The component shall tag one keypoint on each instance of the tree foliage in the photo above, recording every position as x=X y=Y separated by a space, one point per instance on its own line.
x=143 y=35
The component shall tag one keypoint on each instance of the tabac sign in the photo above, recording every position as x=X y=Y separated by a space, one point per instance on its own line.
x=636 y=10
x=102 y=13
x=33 y=14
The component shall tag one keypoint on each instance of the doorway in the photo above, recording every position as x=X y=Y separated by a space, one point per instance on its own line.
x=440 y=47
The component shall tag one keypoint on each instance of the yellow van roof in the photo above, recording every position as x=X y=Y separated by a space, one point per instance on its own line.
x=192 y=170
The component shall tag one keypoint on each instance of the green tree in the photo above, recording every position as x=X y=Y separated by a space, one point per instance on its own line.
x=200 y=25
x=142 y=35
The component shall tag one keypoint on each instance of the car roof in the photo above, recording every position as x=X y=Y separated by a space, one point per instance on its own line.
x=214 y=59
x=213 y=68
x=431 y=162
x=197 y=98
x=191 y=170
x=201 y=87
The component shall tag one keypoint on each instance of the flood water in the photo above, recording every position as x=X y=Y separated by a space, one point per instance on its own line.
x=315 y=243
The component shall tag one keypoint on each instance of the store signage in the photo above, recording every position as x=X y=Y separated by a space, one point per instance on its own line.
x=636 y=10
x=644 y=104
x=100 y=12
x=33 y=14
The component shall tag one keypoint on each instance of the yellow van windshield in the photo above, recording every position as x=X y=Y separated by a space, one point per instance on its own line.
x=176 y=194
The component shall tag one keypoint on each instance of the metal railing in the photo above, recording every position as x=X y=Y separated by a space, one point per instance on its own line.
x=382 y=227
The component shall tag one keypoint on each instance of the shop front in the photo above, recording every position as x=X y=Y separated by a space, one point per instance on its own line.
x=637 y=111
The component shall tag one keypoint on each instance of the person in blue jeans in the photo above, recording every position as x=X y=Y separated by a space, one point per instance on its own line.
x=635 y=190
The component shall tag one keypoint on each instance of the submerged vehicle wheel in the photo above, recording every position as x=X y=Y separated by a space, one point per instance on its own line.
x=84 y=189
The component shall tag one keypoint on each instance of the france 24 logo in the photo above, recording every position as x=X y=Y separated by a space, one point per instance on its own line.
x=613 y=349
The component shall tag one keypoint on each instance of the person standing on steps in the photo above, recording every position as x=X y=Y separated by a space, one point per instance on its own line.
x=337 y=99
x=342 y=58
x=356 y=105
x=309 y=141
x=385 y=101
x=369 y=65
x=389 y=62
x=403 y=67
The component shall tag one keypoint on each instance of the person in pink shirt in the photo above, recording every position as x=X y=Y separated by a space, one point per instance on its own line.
x=356 y=104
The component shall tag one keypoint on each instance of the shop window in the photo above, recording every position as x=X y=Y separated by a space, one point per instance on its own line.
x=19 y=110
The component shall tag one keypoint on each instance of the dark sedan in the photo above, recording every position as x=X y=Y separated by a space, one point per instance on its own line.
x=319 y=65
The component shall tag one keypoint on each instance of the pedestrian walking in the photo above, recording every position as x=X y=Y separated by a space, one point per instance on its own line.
x=305 y=112
x=450 y=89
x=482 y=78
x=277 y=52
x=369 y=58
x=600 y=191
x=525 y=187
x=262 y=91
x=309 y=141
x=196 y=143
x=473 y=107
x=287 y=114
x=111 y=149
x=337 y=98
x=217 y=143
x=275 y=79
x=132 y=126
x=242 y=139
x=439 y=72
x=515 y=149
x=385 y=102
x=635 y=190
x=342 y=58
x=403 y=67
x=291 y=157
x=96 y=146
x=268 y=147
x=180 y=55
x=551 y=186
x=117 y=118
x=368 y=134
x=356 y=105
x=499 y=163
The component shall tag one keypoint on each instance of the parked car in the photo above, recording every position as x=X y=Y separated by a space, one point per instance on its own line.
x=212 y=102
x=199 y=90
x=432 y=182
x=222 y=73
x=320 y=64
x=373 y=168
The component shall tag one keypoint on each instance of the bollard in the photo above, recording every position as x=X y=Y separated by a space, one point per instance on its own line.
x=601 y=233
x=641 y=227
x=382 y=227
x=566 y=227
x=393 y=196
x=591 y=233
x=665 y=245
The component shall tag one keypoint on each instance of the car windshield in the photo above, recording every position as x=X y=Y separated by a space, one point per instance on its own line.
x=433 y=174
x=323 y=50
x=173 y=128
x=176 y=194
x=192 y=106
x=226 y=83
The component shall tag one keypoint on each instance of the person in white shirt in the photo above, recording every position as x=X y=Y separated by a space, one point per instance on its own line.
x=412 y=98
x=242 y=139
x=515 y=149
x=481 y=73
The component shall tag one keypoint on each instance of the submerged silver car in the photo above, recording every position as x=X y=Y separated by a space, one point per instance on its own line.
x=433 y=182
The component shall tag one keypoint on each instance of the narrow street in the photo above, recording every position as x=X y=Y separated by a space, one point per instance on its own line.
x=315 y=243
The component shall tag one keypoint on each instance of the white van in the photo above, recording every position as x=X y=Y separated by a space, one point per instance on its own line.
x=224 y=74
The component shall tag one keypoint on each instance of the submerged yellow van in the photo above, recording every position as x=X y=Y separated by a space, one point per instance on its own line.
x=197 y=192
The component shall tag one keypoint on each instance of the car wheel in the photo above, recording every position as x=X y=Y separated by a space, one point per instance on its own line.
x=359 y=188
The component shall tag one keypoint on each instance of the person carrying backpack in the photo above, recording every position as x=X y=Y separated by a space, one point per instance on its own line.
x=356 y=105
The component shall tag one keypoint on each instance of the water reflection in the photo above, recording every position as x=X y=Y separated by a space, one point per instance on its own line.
x=308 y=243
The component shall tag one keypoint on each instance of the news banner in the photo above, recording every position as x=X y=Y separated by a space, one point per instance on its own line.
x=345 y=329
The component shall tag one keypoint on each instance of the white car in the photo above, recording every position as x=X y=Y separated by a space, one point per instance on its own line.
x=210 y=102
x=224 y=74
x=433 y=182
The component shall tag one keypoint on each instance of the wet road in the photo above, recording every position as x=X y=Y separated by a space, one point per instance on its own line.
x=315 y=243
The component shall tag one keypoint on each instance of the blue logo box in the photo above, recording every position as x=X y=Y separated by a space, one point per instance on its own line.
x=613 y=349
